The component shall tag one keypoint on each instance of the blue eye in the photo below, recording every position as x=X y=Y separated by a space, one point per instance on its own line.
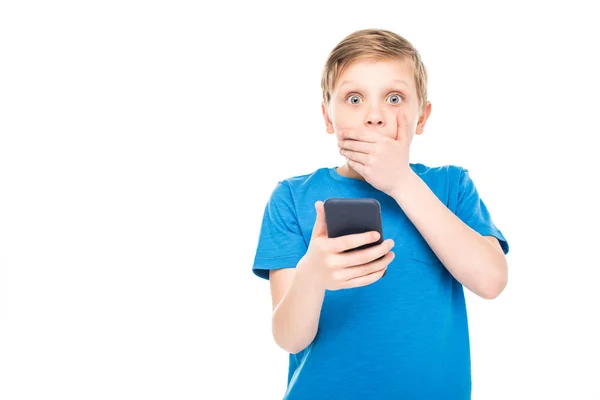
x=354 y=99
x=395 y=98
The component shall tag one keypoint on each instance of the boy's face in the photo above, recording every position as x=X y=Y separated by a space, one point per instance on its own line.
x=369 y=94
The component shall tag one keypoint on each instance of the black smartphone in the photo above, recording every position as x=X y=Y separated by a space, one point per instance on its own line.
x=346 y=216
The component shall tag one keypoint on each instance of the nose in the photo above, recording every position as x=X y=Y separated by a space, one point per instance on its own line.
x=374 y=119
x=374 y=122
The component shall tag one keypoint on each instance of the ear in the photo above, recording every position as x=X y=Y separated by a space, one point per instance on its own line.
x=328 y=123
x=423 y=119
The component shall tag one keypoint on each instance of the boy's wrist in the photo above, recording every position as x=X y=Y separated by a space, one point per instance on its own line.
x=403 y=184
x=307 y=278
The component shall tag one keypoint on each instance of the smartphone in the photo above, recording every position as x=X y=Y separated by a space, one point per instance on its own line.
x=346 y=216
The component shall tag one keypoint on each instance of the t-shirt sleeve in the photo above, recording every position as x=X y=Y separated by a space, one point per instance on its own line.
x=472 y=210
x=280 y=241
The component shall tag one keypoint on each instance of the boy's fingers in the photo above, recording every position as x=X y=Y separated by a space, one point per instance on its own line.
x=370 y=267
x=320 y=228
x=348 y=242
x=363 y=135
x=364 y=280
x=402 y=127
x=368 y=255
x=356 y=145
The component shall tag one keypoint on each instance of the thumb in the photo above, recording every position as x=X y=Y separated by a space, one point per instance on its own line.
x=401 y=127
x=320 y=228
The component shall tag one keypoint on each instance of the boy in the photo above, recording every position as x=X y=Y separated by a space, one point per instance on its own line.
x=352 y=334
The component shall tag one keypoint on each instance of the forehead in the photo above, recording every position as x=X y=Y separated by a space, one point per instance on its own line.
x=377 y=73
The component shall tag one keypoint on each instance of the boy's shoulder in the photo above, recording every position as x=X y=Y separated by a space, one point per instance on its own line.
x=445 y=178
x=290 y=189
x=312 y=176
x=447 y=181
x=304 y=181
x=442 y=170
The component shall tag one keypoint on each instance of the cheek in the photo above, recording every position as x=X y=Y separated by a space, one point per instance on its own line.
x=412 y=125
x=341 y=113
x=412 y=120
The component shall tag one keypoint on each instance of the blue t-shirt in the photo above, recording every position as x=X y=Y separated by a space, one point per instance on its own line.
x=402 y=337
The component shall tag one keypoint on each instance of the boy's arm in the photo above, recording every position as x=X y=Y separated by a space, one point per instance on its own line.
x=477 y=262
x=297 y=303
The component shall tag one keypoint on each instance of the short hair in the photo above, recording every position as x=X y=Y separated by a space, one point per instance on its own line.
x=375 y=44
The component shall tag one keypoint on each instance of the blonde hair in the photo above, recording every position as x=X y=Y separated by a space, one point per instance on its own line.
x=375 y=44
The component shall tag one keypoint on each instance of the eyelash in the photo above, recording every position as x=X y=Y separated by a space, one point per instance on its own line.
x=391 y=94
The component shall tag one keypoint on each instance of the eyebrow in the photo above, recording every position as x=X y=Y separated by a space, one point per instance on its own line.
x=400 y=81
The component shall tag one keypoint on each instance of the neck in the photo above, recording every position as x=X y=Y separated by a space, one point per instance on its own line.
x=349 y=172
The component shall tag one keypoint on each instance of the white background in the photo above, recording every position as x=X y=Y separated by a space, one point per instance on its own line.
x=140 y=141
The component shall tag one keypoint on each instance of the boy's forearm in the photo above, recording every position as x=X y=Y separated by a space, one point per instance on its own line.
x=467 y=255
x=296 y=317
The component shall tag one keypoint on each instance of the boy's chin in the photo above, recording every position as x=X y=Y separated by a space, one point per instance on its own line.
x=349 y=172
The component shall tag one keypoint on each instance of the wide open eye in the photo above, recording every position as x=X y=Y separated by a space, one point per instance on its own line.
x=353 y=99
x=395 y=98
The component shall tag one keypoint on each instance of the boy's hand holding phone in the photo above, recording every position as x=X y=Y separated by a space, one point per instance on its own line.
x=329 y=264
